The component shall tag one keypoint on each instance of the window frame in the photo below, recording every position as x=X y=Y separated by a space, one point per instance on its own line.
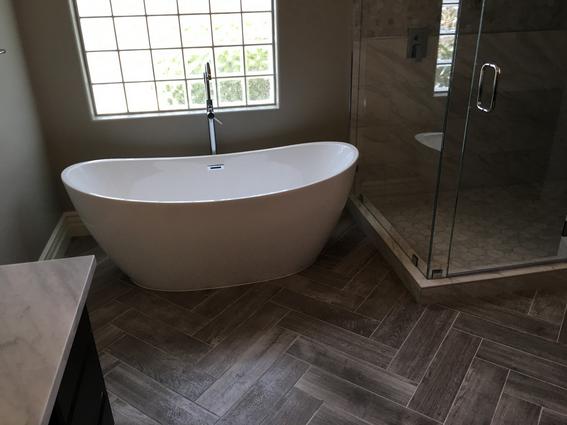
x=247 y=107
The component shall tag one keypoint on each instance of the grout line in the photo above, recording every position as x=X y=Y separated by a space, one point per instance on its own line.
x=395 y=304
x=133 y=407
x=532 y=303
x=352 y=358
x=141 y=340
x=517 y=349
x=500 y=397
x=523 y=374
x=449 y=329
x=362 y=267
x=230 y=304
x=509 y=328
x=537 y=379
x=540 y=415
x=235 y=404
x=368 y=390
x=436 y=351
x=462 y=381
x=539 y=339
x=367 y=297
x=332 y=324
x=315 y=412
x=260 y=333
x=563 y=325
x=377 y=285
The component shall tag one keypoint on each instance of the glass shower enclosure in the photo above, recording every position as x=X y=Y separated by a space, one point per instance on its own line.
x=460 y=115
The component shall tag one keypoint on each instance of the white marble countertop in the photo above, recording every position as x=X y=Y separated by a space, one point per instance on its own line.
x=40 y=308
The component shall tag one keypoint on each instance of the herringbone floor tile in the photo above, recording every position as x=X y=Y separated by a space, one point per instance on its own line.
x=342 y=343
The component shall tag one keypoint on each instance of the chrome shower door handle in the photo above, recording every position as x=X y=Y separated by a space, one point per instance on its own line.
x=497 y=72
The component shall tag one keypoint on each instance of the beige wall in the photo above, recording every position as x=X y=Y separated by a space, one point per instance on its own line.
x=28 y=211
x=314 y=63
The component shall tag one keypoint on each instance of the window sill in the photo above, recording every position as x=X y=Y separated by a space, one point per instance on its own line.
x=218 y=111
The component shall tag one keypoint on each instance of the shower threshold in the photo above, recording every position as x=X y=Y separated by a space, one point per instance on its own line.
x=551 y=276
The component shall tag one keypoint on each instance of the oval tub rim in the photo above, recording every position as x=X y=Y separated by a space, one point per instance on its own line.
x=69 y=169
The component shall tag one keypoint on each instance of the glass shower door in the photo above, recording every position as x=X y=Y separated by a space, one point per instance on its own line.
x=512 y=191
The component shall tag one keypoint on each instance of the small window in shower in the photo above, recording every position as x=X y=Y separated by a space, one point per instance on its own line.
x=148 y=56
x=446 y=47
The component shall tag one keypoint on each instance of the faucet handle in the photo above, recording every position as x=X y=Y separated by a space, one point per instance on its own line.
x=219 y=121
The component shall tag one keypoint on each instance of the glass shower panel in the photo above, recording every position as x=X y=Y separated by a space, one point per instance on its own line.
x=401 y=98
x=512 y=195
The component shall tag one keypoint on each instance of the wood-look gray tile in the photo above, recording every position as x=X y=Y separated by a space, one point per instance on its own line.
x=81 y=245
x=239 y=378
x=537 y=392
x=519 y=340
x=296 y=408
x=107 y=292
x=107 y=272
x=337 y=316
x=220 y=299
x=357 y=401
x=382 y=299
x=327 y=416
x=436 y=393
x=377 y=380
x=318 y=291
x=523 y=362
x=164 y=311
x=106 y=313
x=508 y=318
x=513 y=411
x=107 y=362
x=106 y=335
x=422 y=343
x=549 y=417
x=519 y=302
x=479 y=394
x=259 y=402
x=228 y=352
x=171 y=366
x=325 y=276
x=161 y=336
x=343 y=226
x=347 y=342
x=563 y=334
x=219 y=328
x=351 y=263
x=155 y=400
x=169 y=370
x=188 y=300
x=125 y=414
x=346 y=244
x=548 y=306
x=369 y=277
x=395 y=328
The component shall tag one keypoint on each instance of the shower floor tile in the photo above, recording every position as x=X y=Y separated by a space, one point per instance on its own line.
x=341 y=343
x=496 y=226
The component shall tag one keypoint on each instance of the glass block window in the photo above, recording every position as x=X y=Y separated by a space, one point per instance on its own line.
x=148 y=56
x=446 y=46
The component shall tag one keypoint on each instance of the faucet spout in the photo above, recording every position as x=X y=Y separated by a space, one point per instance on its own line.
x=207 y=76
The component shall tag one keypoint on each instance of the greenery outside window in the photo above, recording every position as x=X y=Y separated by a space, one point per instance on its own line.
x=148 y=56
x=446 y=47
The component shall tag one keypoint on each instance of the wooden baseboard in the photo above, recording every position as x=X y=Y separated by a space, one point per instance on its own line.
x=69 y=225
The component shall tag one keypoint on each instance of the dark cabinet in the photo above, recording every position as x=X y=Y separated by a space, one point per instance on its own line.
x=82 y=397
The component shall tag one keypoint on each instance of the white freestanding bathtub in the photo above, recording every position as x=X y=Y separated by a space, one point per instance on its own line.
x=183 y=224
